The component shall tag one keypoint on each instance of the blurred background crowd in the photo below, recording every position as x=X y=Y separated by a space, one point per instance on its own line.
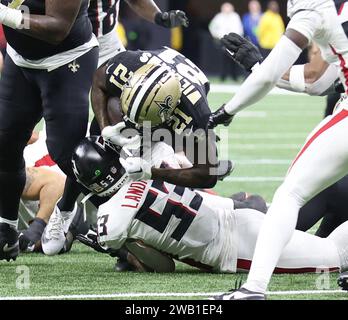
x=262 y=21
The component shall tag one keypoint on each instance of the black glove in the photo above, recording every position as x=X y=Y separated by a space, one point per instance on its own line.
x=339 y=88
x=220 y=116
x=90 y=240
x=241 y=50
x=171 y=19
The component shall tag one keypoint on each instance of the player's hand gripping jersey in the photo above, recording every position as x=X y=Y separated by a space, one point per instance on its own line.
x=193 y=111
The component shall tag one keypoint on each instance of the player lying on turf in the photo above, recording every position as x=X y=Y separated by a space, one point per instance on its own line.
x=165 y=89
x=158 y=221
x=43 y=188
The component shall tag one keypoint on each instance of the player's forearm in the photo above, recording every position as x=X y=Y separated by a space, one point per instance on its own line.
x=147 y=9
x=265 y=76
x=49 y=195
x=55 y=25
x=99 y=98
x=99 y=106
x=312 y=80
x=199 y=176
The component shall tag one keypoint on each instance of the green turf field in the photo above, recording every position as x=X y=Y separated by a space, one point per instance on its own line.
x=262 y=142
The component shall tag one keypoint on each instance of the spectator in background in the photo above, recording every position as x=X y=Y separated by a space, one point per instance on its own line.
x=251 y=21
x=271 y=28
x=226 y=21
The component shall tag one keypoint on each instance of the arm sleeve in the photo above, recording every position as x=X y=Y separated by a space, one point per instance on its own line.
x=320 y=87
x=257 y=85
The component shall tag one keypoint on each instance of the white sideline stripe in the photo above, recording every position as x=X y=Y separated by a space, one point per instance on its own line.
x=254 y=179
x=251 y=146
x=263 y=135
x=263 y=161
x=253 y=114
x=231 y=88
x=161 y=294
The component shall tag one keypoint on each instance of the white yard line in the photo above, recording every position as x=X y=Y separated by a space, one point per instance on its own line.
x=231 y=88
x=263 y=161
x=252 y=146
x=162 y=294
x=264 y=135
x=254 y=179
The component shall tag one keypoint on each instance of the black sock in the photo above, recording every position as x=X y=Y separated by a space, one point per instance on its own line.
x=71 y=192
x=78 y=225
x=35 y=230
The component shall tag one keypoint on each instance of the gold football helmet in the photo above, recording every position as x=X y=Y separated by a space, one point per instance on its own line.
x=151 y=94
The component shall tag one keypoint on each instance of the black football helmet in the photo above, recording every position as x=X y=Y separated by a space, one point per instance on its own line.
x=96 y=166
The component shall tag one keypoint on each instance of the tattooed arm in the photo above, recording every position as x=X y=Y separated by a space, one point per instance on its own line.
x=46 y=186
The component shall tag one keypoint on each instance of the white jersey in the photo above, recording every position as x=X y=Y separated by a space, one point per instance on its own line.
x=323 y=22
x=36 y=154
x=191 y=226
x=188 y=225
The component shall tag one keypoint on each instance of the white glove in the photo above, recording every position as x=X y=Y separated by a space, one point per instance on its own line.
x=137 y=168
x=10 y=17
x=114 y=135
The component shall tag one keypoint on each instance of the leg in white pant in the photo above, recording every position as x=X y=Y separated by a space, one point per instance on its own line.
x=304 y=252
x=322 y=161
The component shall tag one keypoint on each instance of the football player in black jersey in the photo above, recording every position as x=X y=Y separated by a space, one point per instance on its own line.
x=175 y=93
x=104 y=15
x=51 y=57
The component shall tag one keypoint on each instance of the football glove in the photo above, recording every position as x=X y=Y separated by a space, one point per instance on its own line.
x=339 y=88
x=172 y=19
x=220 y=116
x=137 y=168
x=90 y=240
x=241 y=50
x=114 y=135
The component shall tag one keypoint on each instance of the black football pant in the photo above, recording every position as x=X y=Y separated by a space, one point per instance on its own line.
x=330 y=204
x=26 y=95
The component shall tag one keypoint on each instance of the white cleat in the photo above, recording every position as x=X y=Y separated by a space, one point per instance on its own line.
x=53 y=237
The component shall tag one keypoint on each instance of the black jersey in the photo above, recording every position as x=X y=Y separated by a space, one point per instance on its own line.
x=34 y=49
x=193 y=111
x=103 y=15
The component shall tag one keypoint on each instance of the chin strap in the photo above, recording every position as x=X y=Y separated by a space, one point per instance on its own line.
x=83 y=202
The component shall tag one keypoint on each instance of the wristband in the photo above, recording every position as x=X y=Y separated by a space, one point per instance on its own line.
x=297 y=79
x=10 y=17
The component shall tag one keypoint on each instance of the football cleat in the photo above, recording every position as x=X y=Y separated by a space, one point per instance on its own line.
x=241 y=294
x=53 y=238
x=9 y=245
